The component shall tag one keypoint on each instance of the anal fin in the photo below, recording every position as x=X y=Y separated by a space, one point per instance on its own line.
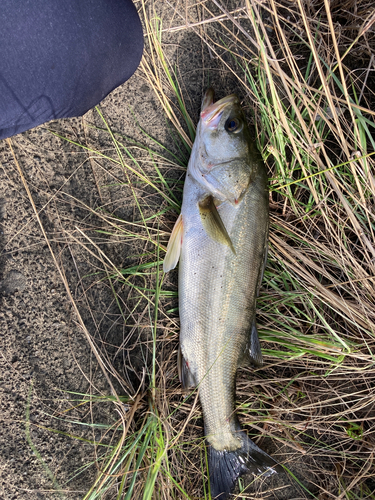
x=184 y=373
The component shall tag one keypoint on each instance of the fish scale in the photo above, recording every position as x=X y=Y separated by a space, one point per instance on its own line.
x=221 y=241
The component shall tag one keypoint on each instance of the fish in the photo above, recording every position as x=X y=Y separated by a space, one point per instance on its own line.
x=220 y=241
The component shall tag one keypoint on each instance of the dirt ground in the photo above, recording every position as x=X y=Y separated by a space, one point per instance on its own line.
x=46 y=360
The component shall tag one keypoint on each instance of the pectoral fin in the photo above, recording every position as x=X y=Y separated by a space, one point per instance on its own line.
x=174 y=246
x=212 y=222
x=184 y=373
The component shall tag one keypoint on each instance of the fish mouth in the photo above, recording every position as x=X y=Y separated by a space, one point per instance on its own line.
x=212 y=111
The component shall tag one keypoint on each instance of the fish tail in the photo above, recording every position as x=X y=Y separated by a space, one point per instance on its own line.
x=225 y=467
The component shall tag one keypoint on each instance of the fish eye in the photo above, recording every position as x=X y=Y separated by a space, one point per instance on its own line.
x=233 y=125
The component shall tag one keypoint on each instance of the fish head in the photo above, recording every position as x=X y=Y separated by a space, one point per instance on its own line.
x=222 y=160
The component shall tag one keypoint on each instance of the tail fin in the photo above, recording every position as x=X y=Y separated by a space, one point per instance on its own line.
x=225 y=467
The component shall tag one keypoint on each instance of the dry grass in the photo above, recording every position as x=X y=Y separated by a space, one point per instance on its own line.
x=305 y=70
x=299 y=65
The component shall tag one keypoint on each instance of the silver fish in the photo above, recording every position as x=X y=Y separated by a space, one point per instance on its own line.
x=220 y=239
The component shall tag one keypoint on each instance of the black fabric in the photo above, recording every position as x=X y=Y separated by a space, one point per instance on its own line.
x=59 y=58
